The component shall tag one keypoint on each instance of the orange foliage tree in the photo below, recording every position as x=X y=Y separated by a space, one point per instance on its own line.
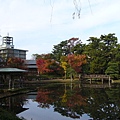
x=76 y=62
x=41 y=64
x=43 y=98
x=53 y=66
x=46 y=64
x=16 y=63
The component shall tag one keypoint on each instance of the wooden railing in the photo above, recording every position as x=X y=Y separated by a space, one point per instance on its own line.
x=97 y=76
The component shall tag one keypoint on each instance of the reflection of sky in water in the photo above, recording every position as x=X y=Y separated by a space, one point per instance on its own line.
x=36 y=113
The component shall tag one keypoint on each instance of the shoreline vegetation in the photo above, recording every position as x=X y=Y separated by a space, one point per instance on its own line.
x=6 y=92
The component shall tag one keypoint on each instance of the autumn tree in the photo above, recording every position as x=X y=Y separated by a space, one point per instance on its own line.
x=72 y=42
x=64 y=64
x=16 y=63
x=41 y=64
x=49 y=66
x=54 y=68
x=65 y=48
x=96 y=55
x=2 y=62
x=76 y=62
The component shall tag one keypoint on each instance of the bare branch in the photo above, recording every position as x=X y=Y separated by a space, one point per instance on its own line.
x=52 y=6
x=90 y=6
x=77 y=8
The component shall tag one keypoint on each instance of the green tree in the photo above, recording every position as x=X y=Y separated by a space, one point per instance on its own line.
x=65 y=47
x=101 y=51
x=60 y=50
x=113 y=70
x=95 y=56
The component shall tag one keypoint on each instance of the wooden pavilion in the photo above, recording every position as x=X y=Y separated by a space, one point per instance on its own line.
x=8 y=76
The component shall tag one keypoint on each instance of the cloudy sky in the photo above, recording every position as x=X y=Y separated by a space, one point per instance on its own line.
x=37 y=25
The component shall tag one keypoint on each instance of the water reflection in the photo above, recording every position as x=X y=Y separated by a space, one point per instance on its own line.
x=63 y=102
x=14 y=104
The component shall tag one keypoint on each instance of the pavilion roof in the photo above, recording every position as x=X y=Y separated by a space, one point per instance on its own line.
x=8 y=70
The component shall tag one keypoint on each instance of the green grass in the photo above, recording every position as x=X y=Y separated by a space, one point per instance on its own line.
x=115 y=81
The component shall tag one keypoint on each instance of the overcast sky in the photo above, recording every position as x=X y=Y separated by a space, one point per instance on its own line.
x=37 y=25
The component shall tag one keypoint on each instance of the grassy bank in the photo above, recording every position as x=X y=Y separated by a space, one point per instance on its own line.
x=52 y=81
x=115 y=81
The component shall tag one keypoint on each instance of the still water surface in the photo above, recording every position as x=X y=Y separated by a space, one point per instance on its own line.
x=66 y=102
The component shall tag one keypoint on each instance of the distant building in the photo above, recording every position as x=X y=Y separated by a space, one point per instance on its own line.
x=31 y=66
x=7 y=49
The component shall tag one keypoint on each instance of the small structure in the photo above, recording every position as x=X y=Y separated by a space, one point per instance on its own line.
x=8 y=75
x=97 y=76
x=31 y=66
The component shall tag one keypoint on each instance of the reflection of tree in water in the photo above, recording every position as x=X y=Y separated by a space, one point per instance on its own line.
x=99 y=104
x=14 y=103
x=47 y=96
x=66 y=104
x=102 y=106
x=69 y=103
x=43 y=99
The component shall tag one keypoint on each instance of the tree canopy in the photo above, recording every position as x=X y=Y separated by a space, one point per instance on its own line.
x=100 y=56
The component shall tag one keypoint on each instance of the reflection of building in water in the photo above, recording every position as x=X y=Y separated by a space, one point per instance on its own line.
x=32 y=95
x=13 y=104
x=7 y=49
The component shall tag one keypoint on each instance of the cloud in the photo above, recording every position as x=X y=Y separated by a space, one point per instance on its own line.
x=39 y=25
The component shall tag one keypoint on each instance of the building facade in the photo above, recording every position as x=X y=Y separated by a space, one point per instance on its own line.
x=31 y=66
x=7 y=49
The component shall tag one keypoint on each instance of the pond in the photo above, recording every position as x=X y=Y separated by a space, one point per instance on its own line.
x=66 y=102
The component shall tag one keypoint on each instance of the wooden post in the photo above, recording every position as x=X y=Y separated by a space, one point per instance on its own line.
x=13 y=83
x=109 y=80
x=90 y=80
x=9 y=82
x=102 y=80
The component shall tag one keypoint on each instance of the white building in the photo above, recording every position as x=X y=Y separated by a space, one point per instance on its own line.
x=7 y=49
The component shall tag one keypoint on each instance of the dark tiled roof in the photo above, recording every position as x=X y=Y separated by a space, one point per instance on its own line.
x=11 y=70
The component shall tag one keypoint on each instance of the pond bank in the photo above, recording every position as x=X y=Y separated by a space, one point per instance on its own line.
x=7 y=93
x=115 y=81
x=28 y=84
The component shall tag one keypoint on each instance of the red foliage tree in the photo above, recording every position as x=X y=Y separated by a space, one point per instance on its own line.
x=46 y=64
x=41 y=64
x=43 y=98
x=16 y=63
x=76 y=61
